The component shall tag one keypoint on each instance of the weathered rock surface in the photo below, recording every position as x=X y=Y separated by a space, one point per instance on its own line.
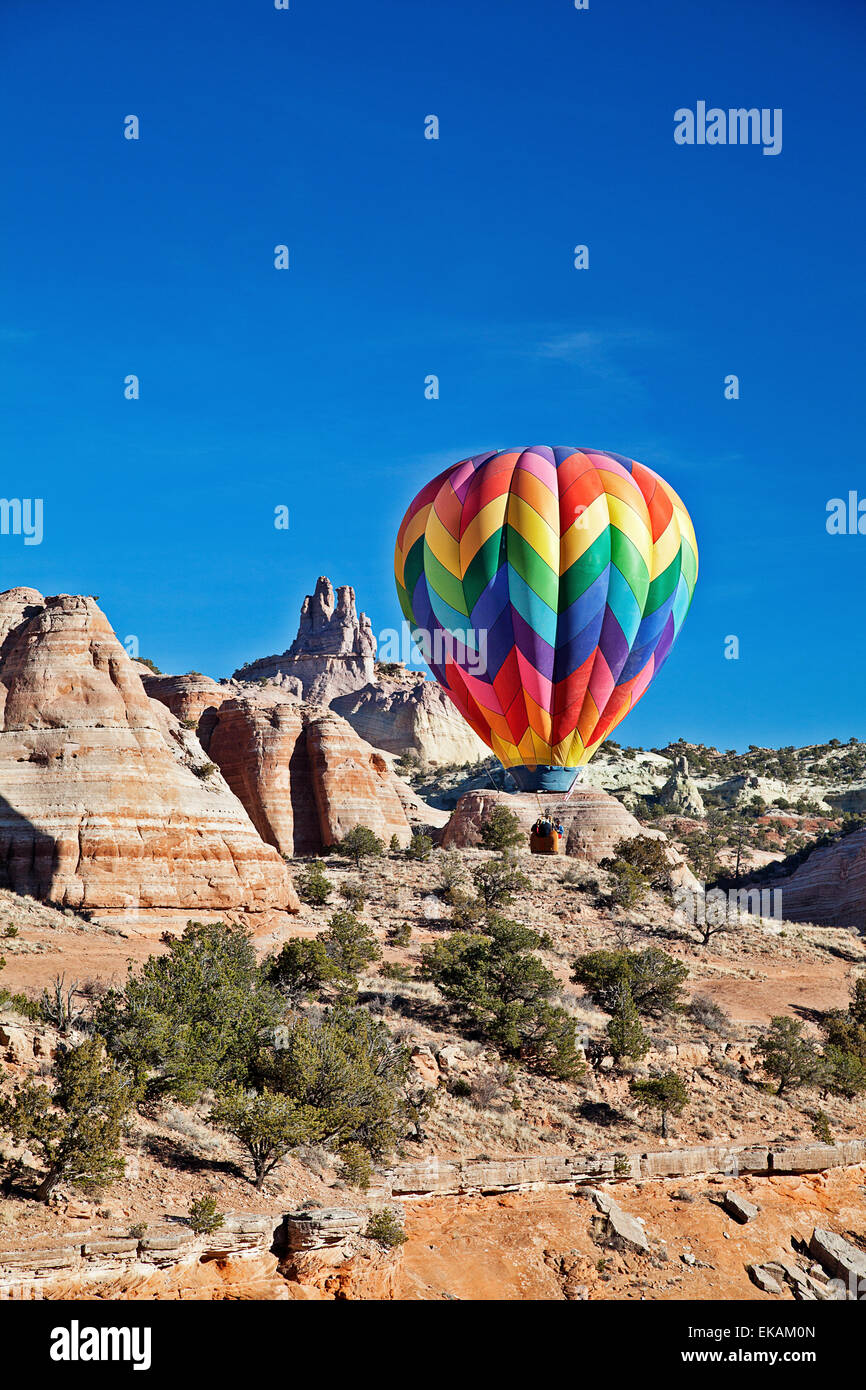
x=409 y=713
x=332 y=661
x=334 y=652
x=617 y=1229
x=107 y=801
x=763 y=1279
x=739 y=1207
x=838 y=1256
x=187 y=696
x=829 y=886
x=680 y=792
x=303 y=774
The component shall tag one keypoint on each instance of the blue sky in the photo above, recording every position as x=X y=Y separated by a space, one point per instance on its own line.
x=454 y=257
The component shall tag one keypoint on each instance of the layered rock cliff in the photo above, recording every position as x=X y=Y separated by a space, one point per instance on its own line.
x=332 y=661
x=303 y=774
x=107 y=800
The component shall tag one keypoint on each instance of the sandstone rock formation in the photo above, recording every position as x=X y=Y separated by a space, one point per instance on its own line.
x=332 y=661
x=407 y=713
x=828 y=887
x=186 y=696
x=334 y=652
x=593 y=823
x=680 y=792
x=107 y=801
x=303 y=774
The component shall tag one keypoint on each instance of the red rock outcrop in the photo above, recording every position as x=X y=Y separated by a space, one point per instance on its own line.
x=353 y=784
x=186 y=696
x=107 y=801
x=303 y=774
x=593 y=823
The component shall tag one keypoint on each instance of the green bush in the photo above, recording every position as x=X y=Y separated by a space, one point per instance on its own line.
x=667 y=1094
x=653 y=978
x=266 y=1124
x=420 y=848
x=497 y=880
x=303 y=969
x=204 y=1218
x=195 y=1017
x=76 y=1129
x=355 y=1168
x=313 y=884
x=351 y=945
x=347 y=1076
x=385 y=1228
x=502 y=831
x=625 y=1034
x=361 y=843
x=493 y=982
x=353 y=896
x=789 y=1057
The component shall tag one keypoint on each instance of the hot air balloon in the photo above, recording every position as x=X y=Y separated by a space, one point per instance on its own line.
x=545 y=588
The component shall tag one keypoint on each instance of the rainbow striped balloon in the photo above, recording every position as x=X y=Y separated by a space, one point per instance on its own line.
x=546 y=587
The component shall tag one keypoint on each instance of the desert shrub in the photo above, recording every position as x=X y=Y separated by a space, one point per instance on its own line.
x=76 y=1128
x=393 y=970
x=420 y=848
x=468 y=913
x=348 y=1076
x=646 y=855
x=787 y=1056
x=498 y=880
x=706 y=1013
x=204 y=1218
x=353 y=896
x=625 y=1034
x=821 y=1128
x=355 y=1168
x=385 y=1228
x=303 y=969
x=19 y=1003
x=460 y=1087
x=400 y=934
x=351 y=946
x=313 y=884
x=841 y=1073
x=667 y=1094
x=205 y=770
x=452 y=872
x=195 y=1017
x=361 y=843
x=653 y=977
x=502 y=831
x=265 y=1123
x=494 y=982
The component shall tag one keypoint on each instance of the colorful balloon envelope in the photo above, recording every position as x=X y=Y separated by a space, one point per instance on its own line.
x=546 y=587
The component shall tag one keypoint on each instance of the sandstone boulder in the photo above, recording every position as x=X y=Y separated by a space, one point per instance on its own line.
x=680 y=793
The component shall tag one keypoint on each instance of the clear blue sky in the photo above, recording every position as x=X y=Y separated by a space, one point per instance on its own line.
x=410 y=257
